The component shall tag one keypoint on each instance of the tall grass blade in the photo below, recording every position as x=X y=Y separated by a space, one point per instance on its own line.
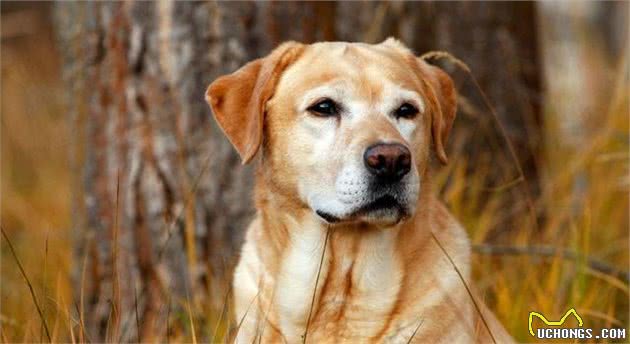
x=319 y=270
x=28 y=282
x=223 y=309
x=415 y=331
x=240 y=323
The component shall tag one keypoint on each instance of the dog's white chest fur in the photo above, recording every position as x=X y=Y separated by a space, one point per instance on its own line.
x=358 y=285
x=352 y=284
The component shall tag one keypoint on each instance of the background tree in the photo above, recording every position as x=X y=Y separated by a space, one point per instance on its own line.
x=160 y=198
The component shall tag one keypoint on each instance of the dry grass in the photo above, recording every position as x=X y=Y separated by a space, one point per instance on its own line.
x=582 y=207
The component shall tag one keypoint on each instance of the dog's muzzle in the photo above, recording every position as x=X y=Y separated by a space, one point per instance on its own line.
x=386 y=194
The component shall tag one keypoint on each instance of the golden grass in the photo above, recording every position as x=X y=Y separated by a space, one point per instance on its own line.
x=584 y=199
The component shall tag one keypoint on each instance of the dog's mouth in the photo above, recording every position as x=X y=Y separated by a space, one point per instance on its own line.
x=381 y=203
x=387 y=208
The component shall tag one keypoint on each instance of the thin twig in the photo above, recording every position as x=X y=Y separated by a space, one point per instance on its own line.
x=549 y=251
x=319 y=270
x=28 y=282
x=415 y=331
x=240 y=323
x=472 y=298
x=216 y=327
x=260 y=329
x=505 y=186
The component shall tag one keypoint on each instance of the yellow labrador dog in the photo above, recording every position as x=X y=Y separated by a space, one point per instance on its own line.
x=345 y=243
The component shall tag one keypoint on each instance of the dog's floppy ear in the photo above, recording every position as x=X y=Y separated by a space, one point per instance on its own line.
x=442 y=89
x=238 y=99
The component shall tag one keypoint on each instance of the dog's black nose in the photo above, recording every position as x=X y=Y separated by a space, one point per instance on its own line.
x=388 y=161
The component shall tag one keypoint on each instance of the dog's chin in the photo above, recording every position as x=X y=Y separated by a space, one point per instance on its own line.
x=385 y=211
x=383 y=217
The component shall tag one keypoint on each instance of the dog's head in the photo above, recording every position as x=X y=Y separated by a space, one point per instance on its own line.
x=345 y=127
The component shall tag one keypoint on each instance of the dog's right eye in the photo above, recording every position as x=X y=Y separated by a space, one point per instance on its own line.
x=324 y=108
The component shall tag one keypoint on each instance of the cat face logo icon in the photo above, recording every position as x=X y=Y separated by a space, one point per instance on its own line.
x=553 y=323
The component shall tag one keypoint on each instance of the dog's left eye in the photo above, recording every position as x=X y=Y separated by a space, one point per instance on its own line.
x=324 y=108
x=406 y=111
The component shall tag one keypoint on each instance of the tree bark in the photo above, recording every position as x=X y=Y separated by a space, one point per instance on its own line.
x=161 y=200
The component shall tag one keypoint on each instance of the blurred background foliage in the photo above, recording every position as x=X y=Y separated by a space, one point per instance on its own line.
x=580 y=204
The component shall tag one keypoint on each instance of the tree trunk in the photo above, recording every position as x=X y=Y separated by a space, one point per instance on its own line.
x=161 y=200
